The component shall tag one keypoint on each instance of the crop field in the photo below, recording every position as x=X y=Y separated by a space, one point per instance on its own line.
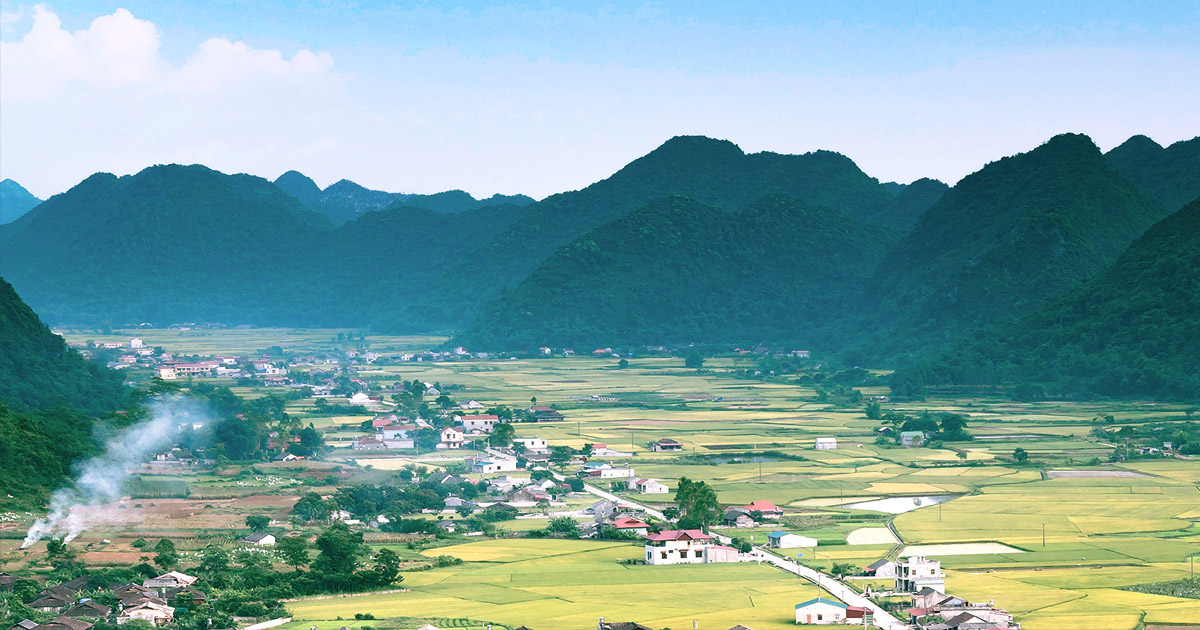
x=566 y=585
x=1051 y=540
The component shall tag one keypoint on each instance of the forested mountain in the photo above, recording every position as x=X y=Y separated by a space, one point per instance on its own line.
x=999 y=243
x=713 y=172
x=678 y=271
x=39 y=371
x=15 y=201
x=345 y=201
x=43 y=385
x=171 y=243
x=1171 y=175
x=1131 y=331
x=910 y=202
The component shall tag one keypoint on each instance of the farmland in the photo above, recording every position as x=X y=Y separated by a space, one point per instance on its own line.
x=1052 y=539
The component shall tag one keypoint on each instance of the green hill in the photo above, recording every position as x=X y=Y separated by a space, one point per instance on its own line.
x=15 y=201
x=713 y=172
x=300 y=186
x=43 y=387
x=678 y=271
x=171 y=243
x=999 y=243
x=1132 y=331
x=455 y=201
x=910 y=203
x=1171 y=175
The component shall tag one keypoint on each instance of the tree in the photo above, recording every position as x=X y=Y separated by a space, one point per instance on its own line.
x=166 y=556
x=1020 y=455
x=874 y=411
x=622 y=364
x=698 y=505
x=564 y=525
x=502 y=434
x=294 y=551
x=311 y=507
x=340 y=550
x=427 y=438
x=587 y=450
x=694 y=360
x=257 y=522
x=387 y=568
x=560 y=455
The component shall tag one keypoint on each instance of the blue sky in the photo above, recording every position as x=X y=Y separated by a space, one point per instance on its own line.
x=543 y=97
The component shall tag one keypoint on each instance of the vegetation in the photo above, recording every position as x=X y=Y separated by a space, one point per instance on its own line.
x=1130 y=331
x=1170 y=175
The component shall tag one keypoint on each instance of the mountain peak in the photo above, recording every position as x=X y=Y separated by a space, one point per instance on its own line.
x=15 y=201
x=300 y=186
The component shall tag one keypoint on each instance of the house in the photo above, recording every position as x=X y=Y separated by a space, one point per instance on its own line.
x=65 y=623
x=623 y=625
x=630 y=524
x=479 y=424
x=860 y=616
x=528 y=494
x=359 y=399
x=507 y=483
x=533 y=444
x=600 y=449
x=368 y=444
x=491 y=465
x=170 y=579
x=166 y=373
x=666 y=445
x=25 y=624
x=470 y=404
x=259 y=538
x=825 y=444
x=448 y=526
x=721 y=553
x=450 y=438
x=596 y=470
x=647 y=486
x=917 y=572
x=739 y=517
x=766 y=508
x=787 y=540
x=187 y=594
x=929 y=597
x=882 y=568
x=88 y=608
x=53 y=602
x=157 y=614
x=546 y=414
x=821 y=611
x=677 y=547
x=912 y=438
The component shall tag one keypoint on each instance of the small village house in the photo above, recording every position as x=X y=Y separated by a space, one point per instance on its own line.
x=825 y=444
x=917 y=572
x=666 y=445
x=677 y=547
x=642 y=485
x=450 y=438
x=259 y=538
x=821 y=611
x=912 y=438
x=479 y=424
x=787 y=540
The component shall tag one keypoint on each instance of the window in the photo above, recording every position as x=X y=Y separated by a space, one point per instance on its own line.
x=699 y=554
x=664 y=555
x=820 y=617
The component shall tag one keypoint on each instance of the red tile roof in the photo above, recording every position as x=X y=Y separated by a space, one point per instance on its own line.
x=761 y=506
x=680 y=534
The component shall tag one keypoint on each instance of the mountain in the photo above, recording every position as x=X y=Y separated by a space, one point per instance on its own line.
x=344 y=200
x=999 y=243
x=910 y=202
x=677 y=270
x=300 y=186
x=1131 y=331
x=1171 y=175
x=171 y=243
x=713 y=172
x=39 y=371
x=15 y=201
x=44 y=386
x=454 y=201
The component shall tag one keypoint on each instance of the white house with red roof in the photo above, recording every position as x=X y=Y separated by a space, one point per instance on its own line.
x=450 y=438
x=666 y=445
x=479 y=424
x=630 y=524
x=684 y=546
x=767 y=508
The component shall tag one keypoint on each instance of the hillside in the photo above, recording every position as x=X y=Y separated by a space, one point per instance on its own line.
x=171 y=243
x=909 y=204
x=15 y=201
x=1132 y=331
x=39 y=371
x=454 y=201
x=1171 y=175
x=678 y=270
x=999 y=243
x=43 y=387
x=713 y=172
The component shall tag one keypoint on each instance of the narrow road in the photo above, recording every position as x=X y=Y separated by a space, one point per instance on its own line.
x=883 y=619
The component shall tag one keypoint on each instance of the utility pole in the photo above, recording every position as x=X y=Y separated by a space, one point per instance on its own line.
x=1043 y=534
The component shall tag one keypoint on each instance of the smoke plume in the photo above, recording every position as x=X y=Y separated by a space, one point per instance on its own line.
x=102 y=478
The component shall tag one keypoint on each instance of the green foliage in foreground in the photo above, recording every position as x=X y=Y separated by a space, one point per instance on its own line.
x=1179 y=588
x=1132 y=331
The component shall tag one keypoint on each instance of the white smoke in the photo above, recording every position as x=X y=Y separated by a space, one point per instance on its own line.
x=102 y=478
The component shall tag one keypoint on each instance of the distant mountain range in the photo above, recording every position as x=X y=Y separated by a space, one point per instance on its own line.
x=15 y=201
x=345 y=201
x=696 y=241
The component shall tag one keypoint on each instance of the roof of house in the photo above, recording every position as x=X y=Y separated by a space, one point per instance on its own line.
x=65 y=623
x=27 y=624
x=257 y=537
x=668 y=442
x=821 y=600
x=741 y=627
x=779 y=533
x=629 y=523
x=878 y=563
x=679 y=534
x=624 y=625
x=87 y=609
x=761 y=506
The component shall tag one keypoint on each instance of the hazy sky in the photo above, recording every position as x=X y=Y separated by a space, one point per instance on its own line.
x=543 y=97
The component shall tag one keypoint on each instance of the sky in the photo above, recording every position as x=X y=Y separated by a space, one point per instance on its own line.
x=543 y=97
